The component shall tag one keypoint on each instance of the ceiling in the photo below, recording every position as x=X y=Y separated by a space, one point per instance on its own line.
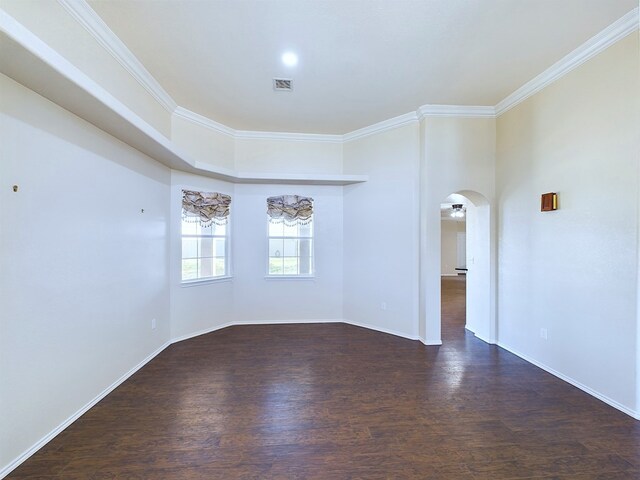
x=360 y=61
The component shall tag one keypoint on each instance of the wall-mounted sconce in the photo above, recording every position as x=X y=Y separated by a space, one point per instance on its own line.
x=549 y=202
x=457 y=210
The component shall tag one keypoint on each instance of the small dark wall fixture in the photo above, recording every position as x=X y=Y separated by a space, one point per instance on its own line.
x=549 y=202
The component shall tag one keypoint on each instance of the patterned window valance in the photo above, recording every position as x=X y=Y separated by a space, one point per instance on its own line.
x=205 y=207
x=290 y=209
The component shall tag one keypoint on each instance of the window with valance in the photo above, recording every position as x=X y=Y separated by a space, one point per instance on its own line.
x=205 y=235
x=290 y=224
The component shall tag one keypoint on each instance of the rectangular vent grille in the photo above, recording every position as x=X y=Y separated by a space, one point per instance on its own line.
x=282 y=84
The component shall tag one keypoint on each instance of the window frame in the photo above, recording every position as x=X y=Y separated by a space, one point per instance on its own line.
x=299 y=276
x=227 y=276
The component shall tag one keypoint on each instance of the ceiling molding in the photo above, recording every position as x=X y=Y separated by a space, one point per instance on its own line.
x=91 y=21
x=203 y=121
x=296 y=137
x=254 y=135
x=400 y=121
x=470 y=111
x=600 y=42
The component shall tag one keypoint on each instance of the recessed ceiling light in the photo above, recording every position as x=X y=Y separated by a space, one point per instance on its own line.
x=290 y=59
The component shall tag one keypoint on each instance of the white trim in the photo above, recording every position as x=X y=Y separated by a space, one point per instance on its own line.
x=448 y=274
x=388 y=331
x=48 y=437
x=295 y=137
x=592 y=47
x=206 y=281
x=485 y=339
x=290 y=277
x=573 y=382
x=201 y=332
x=203 y=121
x=91 y=21
x=470 y=111
x=391 y=123
x=431 y=341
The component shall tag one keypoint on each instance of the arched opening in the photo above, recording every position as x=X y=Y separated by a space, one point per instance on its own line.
x=453 y=266
x=466 y=267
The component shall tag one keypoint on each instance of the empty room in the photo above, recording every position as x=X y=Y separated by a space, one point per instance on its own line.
x=319 y=239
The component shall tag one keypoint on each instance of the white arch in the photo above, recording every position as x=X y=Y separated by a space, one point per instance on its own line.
x=481 y=277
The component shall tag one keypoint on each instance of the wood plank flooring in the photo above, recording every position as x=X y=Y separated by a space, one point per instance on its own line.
x=332 y=401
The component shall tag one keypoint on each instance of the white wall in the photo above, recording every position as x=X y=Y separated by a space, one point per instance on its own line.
x=203 y=143
x=48 y=20
x=249 y=297
x=381 y=231
x=198 y=307
x=82 y=271
x=288 y=156
x=449 y=230
x=574 y=271
x=458 y=156
x=258 y=299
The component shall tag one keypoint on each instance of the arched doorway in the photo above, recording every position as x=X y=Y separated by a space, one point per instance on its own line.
x=480 y=264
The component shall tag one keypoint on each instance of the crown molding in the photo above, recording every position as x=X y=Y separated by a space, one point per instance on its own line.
x=470 y=111
x=203 y=121
x=91 y=21
x=253 y=135
x=592 y=47
x=296 y=137
x=395 y=122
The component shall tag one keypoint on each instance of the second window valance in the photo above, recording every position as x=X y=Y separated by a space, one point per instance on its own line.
x=290 y=209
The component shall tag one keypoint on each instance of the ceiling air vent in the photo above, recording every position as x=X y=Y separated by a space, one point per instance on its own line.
x=282 y=84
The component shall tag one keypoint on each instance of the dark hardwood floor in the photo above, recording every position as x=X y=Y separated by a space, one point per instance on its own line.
x=333 y=401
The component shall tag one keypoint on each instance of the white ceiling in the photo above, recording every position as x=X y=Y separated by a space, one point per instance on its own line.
x=361 y=61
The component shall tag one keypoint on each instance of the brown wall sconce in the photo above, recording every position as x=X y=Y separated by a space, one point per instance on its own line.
x=549 y=202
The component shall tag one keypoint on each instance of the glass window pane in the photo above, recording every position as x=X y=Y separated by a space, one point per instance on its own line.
x=291 y=247
x=189 y=247
x=205 y=267
x=189 y=228
x=275 y=229
x=189 y=269
x=219 y=229
x=219 y=265
x=275 y=265
x=208 y=230
x=306 y=230
x=305 y=247
x=290 y=265
x=206 y=247
x=276 y=247
x=305 y=265
x=291 y=231
x=219 y=247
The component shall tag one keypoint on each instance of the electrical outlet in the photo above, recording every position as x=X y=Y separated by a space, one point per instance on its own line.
x=383 y=306
x=153 y=324
x=543 y=333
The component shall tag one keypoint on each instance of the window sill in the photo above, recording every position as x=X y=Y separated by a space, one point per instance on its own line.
x=290 y=277
x=205 y=281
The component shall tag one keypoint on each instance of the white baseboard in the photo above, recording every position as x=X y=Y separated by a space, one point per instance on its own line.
x=431 y=341
x=201 y=332
x=448 y=274
x=381 y=330
x=480 y=337
x=47 y=438
x=575 y=383
x=251 y=322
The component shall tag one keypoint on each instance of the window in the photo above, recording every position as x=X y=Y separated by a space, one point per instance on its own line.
x=205 y=235
x=290 y=223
